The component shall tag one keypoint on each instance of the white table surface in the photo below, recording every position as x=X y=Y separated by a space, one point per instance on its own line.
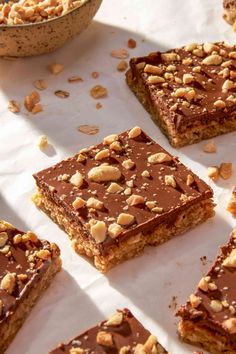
x=80 y=296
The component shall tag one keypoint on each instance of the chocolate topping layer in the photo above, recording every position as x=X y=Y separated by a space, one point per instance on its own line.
x=23 y=259
x=217 y=294
x=145 y=178
x=127 y=334
x=195 y=84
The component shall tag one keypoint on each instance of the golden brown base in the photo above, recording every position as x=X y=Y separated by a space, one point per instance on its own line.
x=11 y=326
x=209 y=340
x=188 y=135
x=127 y=248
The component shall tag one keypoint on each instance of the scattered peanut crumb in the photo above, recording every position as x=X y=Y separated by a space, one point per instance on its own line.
x=132 y=43
x=98 y=91
x=88 y=129
x=32 y=104
x=37 y=108
x=42 y=142
x=120 y=53
x=95 y=74
x=226 y=170
x=122 y=66
x=40 y=84
x=62 y=94
x=74 y=79
x=56 y=68
x=210 y=147
x=98 y=105
x=213 y=172
x=14 y=106
x=231 y=207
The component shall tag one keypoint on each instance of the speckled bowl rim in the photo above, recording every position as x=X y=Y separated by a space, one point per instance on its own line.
x=41 y=23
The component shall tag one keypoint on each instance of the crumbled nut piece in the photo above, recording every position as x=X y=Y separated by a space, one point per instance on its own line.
x=74 y=79
x=230 y=325
x=224 y=73
x=187 y=61
x=231 y=207
x=203 y=284
x=108 y=140
x=128 y=164
x=116 y=146
x=77 y=179
x=44 y=254
x=98 y=91
x=132 y=43
x=56 y=68
x=159 y=157
x=170 y=181
x=31 y=100
x=189 y=180
x=14 y=106
x=8 y=282
x=114 y=188
x=212 y=286
x=125 y=219
x=17 y=239
x=213 y=172
x=4 y=225
x=187 y=78
x=98 y=105
x=232 y=55
x=94 y=203
x=157 y=210
x=135 y=199
x=32 y=236
x=40 y=84
x=168 y=57
x=151 y=69
x=78 y=203
x=88 y=129
x=120 y=53
x=210 y=47
x=122 y=66
x=213 y=59
x=37 y=108
x=42 y=142
x=65 y=177
x=150 y=344
x=127 y=191
x=102 y=155
x=104 y=173
x=105 y=338
x=227 y=85
x=146 y=174
x=153 y=80
x=62 y=93
x=151 y=204
x=195 y=301
x=197 y=69
x=198 y=52
x=190 y=47
x=22 y=277
x=3 y=238
x=114 y=230
x=226 y=170
x=226 y=64
x=76 y=351
x=134 y=132
x=171 y=68
x=216 y=305
x=124 y=350
x=115 y=320
x=140 y=65
x=98 y=231
x=95 y=74
x=209 y=147
x=230 y=261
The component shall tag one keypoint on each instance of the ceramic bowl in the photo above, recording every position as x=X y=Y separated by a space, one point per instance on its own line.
x=43 y=37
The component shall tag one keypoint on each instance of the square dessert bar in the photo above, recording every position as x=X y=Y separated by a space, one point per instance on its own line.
x=122 y=333
x=209 y=317
x=27 y=267
x=190 y=92
x=127 y=192
x=230 y=12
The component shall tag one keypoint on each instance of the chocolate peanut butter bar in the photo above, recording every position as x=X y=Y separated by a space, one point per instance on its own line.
x=230 y=12
x=122 y=333
x=127 y=192
x=189 y=92
x=209 y=317
x=27 y=267
x=231 y=207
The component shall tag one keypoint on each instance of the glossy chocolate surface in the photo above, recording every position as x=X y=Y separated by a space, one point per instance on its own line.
x=128 y=334
x=207 y=84
x=225 y=280
x=63 y=193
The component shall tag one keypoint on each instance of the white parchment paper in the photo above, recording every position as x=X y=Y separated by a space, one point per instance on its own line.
x=80 y=296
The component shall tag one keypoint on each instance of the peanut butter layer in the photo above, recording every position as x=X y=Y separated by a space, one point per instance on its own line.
x=23 y=260
x=213 y=306
x=190 y=86
x=122 y=334
x=123 y=186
